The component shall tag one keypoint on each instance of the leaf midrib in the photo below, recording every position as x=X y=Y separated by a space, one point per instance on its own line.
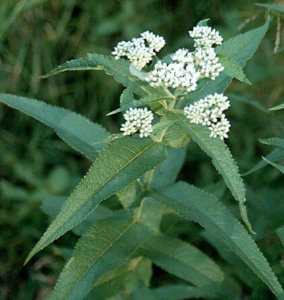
x=101 y=254
x=108 y=180
x=180 y=261
x=243 y=46
x=241 y=200
x=49 y=124
x=226 y=234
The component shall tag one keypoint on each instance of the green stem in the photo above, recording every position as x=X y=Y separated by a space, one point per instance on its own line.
x=168 y=92
x=138 y=210
x=148 y=179
x=172 y=104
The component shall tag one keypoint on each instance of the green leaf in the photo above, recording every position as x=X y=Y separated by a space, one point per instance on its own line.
x=122 y=280
x=272 y=156
x=233 y=69
x=127 y=96
x=128 y=196
x=240 y=49
x=122 y=161
x=275 y=7
x=248 y=100
x=179 y=291
x=236 y=264
x=277 y=142
x=277 y=166
x=137 y=103
x=205 y=209
x=280 y=233
x=203 y=22
x=152 y=213
x=135 y=72
x=182 y=259
x=77 y=131
x=221 y=158
x=142 y=293
x=104 y=247
x=167 y=172
x=52 y=205
x=278 y=107
x=175 y=137
x=119 y=69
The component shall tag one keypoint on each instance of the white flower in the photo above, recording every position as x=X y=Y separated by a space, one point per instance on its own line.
x=138 y=119
x=154 y=41
x=174 y=75
x=207 y=63
x=140 y=51
x=205 y=37
x=209 y=112
x=183 y=56
x=221 y=128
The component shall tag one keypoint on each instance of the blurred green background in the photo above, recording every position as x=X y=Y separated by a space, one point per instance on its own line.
x=36 y=36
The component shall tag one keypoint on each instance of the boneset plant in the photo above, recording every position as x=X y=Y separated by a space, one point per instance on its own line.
x=168 y=102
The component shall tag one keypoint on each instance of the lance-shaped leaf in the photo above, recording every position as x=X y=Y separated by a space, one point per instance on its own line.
x=275 y=165
x=77 y=131
x=247 y=99
x=122 y=161
x=136 y=272
x=152 y=213
x=138 y=103
x=52 y=205
x=240 y=268
x=239 y=48
x=153 y=210
x=119 y=69
x=273 y=156
x=233 y=69
x=179 y=291
x=168 y=171
x=273 y=141
x=278 y=107
x=205 y=209
x=105 y=246
x=275 y=7
x=242 y=46
x=221 y=158
x=183 y=260
x=280 y=233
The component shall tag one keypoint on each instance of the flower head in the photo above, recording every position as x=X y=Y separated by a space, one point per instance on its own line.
x=140 y=51
x=209 y=112
x=183 y=56
x=181 y=73
x=205 y=37
x=154 y=41
x=220 y=128
x=137 y=119
x=207 y=63
x=174 y=75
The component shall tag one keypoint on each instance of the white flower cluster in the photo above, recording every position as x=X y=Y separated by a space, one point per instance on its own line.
x=206 y=60
x=188 y=67
x=154 y=41
x=205 y=36
x=138 y=119
x=209 y=112
x=207 y=63
x=175 y=75
x=140 y=51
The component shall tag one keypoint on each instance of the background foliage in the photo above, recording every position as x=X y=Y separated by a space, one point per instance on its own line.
x=37 y=35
